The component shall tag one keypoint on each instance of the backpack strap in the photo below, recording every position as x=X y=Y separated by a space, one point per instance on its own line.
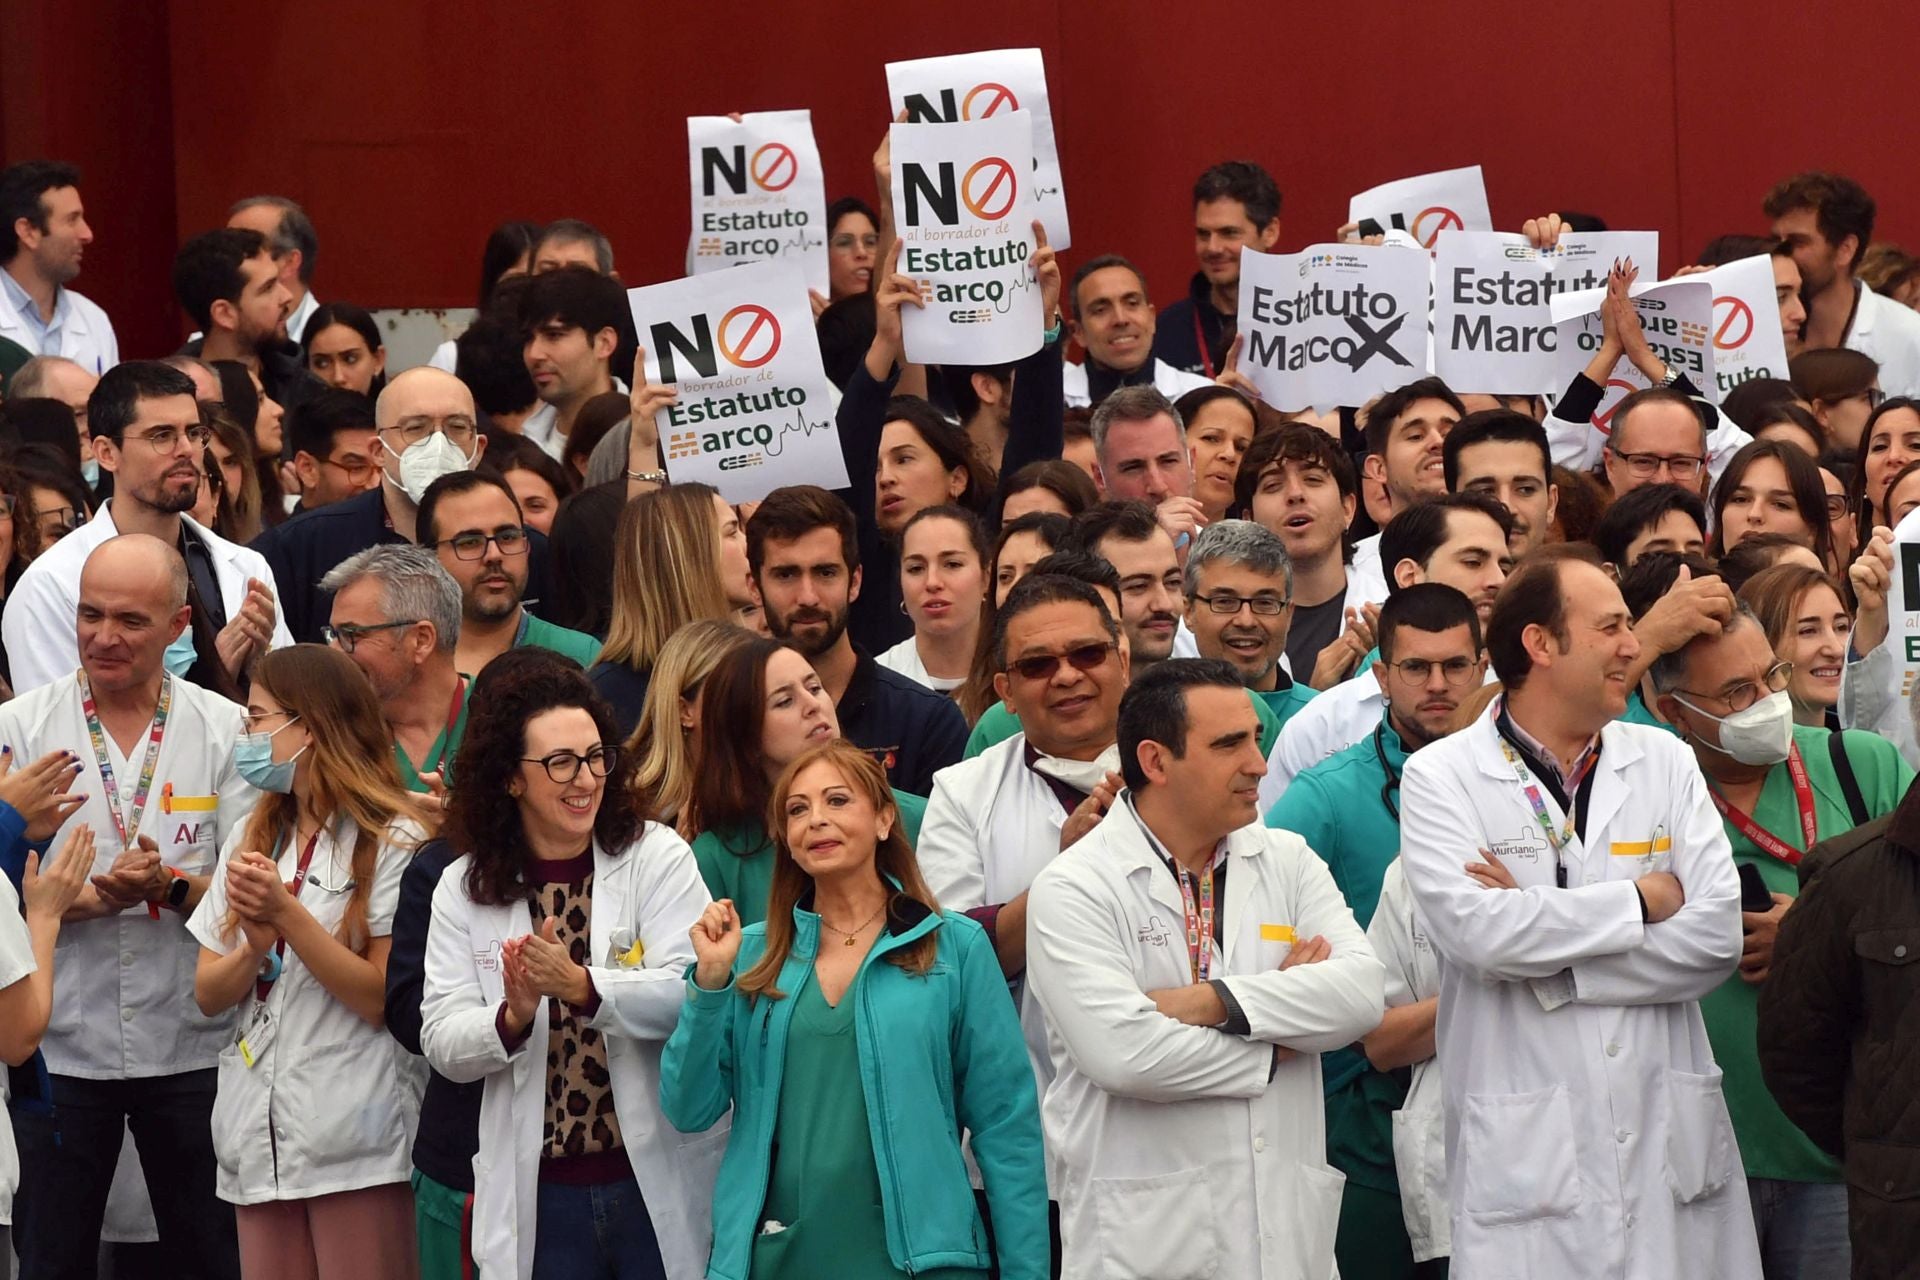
x=1843 y=770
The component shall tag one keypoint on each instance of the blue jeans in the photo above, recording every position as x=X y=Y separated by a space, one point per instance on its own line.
x=1803 y=1228
x=595 y=1233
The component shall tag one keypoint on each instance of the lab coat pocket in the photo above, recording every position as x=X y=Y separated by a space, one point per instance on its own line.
x=1420 y=1155
x=1523 y=1166
x=235 y=1110
x=1701 y=1157
x=344 y=1102
x=1136 y=1241
x=1321 y=1188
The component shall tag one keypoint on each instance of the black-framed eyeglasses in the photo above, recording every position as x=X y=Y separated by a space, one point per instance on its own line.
x=1269 y=606
x=1837 y=507
x=471 y=544
x=348 y=634
x=1644 y=466
x=1875 y=397
x=564 y=766
x=1457 y=671
x=1744 y=695
x=357 y=472
x=1041 y=666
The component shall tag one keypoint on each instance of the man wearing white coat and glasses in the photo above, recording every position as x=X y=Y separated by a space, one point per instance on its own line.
x=1578 y=889
x=1193 y=965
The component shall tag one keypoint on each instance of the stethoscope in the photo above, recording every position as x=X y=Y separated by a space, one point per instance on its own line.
x=1392 y=784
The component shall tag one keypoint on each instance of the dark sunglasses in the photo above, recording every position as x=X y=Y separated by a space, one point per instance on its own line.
x=1041 y=666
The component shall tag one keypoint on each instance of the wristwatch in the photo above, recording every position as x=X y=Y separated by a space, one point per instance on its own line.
x=648 y=477
x=177 y=891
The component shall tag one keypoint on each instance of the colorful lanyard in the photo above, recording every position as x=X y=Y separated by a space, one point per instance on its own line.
x=1561 y=837
x=1764 y=839
x=129 y=832
x=271 y=966
x=1199 y=921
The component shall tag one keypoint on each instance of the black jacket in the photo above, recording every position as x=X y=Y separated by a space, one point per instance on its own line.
x=1176 y=342
x=449 y=1130
x=911 y=730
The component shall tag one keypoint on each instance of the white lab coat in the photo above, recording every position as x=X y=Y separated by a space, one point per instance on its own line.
x=330 y=1101
x=650 y=895
x=1870 y=699
x=123 y=1006
x=991 y=825
x=1169 y=381
x=1366 y=576
x=16 y=965
x=38 y=625
x=86 y=335
x=1184 y=1152
x=1592 y=1140
x=1419 y=1126
x=1890 y=333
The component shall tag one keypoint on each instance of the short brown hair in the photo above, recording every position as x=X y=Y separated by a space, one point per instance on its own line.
x=1290 y=442
x=1530 y=596
x=792 y=512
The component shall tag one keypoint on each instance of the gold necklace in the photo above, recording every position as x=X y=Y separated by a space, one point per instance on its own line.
x=857 y=932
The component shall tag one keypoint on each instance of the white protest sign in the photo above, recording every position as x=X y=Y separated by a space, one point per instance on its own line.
x=1747 y=339
x=981 y=86
x=1903 y=603
x=1334 y=325
x=758 y=193
x=755 y=410
x=1423 y=207
x=1676 y=316
x=963 y=209
x=1493 y=325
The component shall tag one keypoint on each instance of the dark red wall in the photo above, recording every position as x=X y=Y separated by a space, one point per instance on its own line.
x=410 y=128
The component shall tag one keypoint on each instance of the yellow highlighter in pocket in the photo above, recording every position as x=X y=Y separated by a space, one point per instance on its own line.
x=1277 y=933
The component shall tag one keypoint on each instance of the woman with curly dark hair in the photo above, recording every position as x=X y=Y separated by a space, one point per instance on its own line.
x=567 y=915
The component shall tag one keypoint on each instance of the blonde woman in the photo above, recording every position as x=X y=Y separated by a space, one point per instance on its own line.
x=661 y=748
x=314 y=1108
x=668 y=570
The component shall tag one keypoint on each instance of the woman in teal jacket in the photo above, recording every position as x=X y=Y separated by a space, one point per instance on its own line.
x=856 y=1034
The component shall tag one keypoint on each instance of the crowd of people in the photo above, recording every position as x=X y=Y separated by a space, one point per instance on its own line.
x=1134 y=830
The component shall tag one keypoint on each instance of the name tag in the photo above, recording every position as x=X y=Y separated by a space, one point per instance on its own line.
x=172 y=801
x=1276 y=933
x=1640 y=848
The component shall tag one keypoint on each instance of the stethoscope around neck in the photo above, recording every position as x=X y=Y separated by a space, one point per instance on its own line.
x=1392 y=784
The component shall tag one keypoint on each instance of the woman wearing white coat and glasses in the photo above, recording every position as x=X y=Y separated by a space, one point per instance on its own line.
x=555 y=973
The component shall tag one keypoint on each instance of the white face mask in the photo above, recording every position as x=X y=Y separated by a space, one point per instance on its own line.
x=1762 y=734
x=425 y=461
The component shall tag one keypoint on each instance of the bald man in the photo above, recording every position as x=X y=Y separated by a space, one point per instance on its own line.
x=425 y=427
x=126 y=1045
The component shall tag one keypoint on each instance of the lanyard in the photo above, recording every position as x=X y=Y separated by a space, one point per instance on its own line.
x=127 y=830
x=1199 y=921
x=270 y=967
x=1764 y=839
x=446 y=734
x=1561 y=837
x=1392 y=784
x=1200 y=338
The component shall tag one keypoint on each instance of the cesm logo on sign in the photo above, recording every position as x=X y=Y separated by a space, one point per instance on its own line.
x=746 y=337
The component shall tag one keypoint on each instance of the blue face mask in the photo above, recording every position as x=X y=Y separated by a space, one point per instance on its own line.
x=181 y=653
x=90 y=472
x=253 y=760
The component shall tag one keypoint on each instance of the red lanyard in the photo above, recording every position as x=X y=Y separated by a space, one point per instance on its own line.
x=264 y=984
x=1200 y=337
x=1199 y=922
x=1764 y=839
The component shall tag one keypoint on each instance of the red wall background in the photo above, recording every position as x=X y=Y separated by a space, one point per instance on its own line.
x=409 y=128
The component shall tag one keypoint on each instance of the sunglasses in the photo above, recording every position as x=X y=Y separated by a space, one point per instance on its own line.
x=1041 y=666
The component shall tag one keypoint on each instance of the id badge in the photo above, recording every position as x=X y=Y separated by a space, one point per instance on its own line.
x=258 y=1036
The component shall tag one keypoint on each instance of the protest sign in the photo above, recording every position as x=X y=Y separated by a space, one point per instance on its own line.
x=1493 y=325
x=1747 y=339
x=987 y=85
x=1903 y=603
x=755 y=410
x=1335 y=325
x=758 y=193
x=1676 y=315
x=963 y=209
x=1423 y=207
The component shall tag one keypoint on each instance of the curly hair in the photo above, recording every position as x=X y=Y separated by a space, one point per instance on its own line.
x=483 y=817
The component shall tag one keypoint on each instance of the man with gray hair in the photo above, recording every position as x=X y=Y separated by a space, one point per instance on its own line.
x=396 y=613
x=294 y=246
x=153 y=776
x=1239 y=589
x=1140 y=452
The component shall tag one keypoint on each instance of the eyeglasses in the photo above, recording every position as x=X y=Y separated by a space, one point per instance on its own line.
x=1419 y=670
x=357 y=472
x=1742 y=696
x=457 y=427
x=57 y=522
x=564 y=766
x=1041 y=666
x=253 y=718
x=1227 y=602
x=1644 y=466
x=348 y=634
x=471 y=544
x=1837 y=507
x=1875 y=397
x=167 y=440
x=847 y=240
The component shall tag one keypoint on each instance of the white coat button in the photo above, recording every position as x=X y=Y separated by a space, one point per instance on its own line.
x=1613 y=1051
x=126 y=957
x=1629 y=1221
x=126 y=1015
x=1259 y=1144
x=1621 y=1135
